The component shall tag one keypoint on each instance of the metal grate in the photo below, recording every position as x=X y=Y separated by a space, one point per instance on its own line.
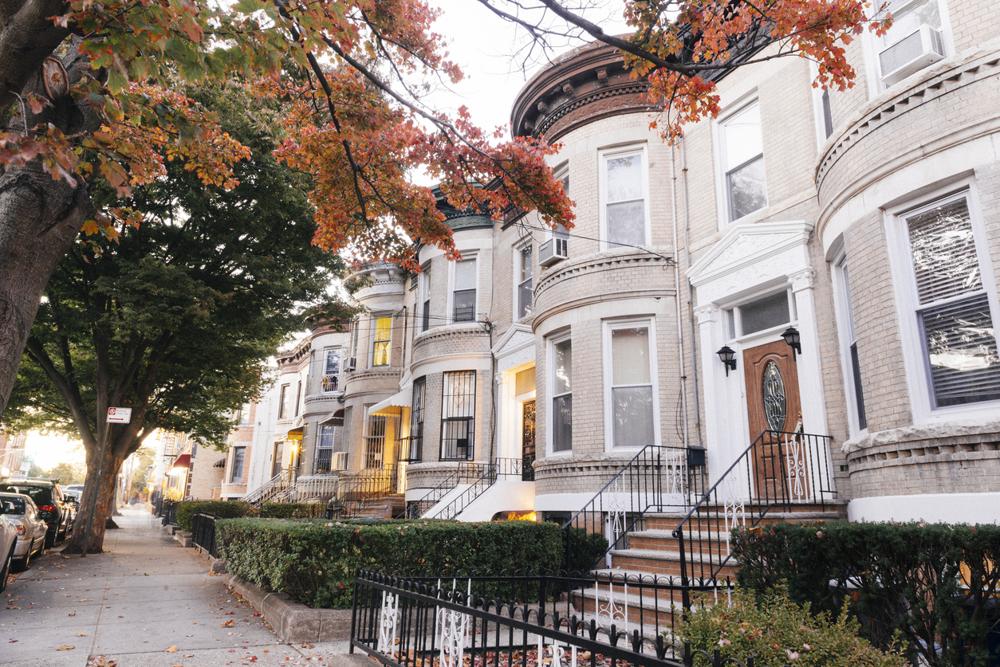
x=458 y=410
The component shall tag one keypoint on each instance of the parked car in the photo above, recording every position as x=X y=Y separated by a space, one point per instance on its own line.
x=21 y=512
x=74 y=491
x=53 y=508
x=8 y=542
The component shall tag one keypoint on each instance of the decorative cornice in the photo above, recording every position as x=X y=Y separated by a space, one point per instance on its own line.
x=611 y=260
x=939 y=81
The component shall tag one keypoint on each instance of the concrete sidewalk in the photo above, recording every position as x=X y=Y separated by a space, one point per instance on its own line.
x=146 y=601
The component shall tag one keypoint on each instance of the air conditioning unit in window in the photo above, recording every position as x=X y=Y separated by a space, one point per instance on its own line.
x=554 y=250
x=352 y=363
x=339 y=461
x=914 y=52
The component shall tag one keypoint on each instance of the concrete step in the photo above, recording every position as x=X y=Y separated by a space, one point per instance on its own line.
x=655 y=561
x=710 y=520
x=664 y=540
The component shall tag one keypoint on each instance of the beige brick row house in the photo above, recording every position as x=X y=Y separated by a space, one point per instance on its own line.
x=840 y=250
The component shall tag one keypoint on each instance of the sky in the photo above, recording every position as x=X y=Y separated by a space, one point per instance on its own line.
x=490 y=52
x=46 y=449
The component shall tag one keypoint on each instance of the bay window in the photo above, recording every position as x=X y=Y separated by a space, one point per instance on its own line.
x=328 y=443
x=417 y=420
x=458 y=415
x=624 y=217
x=524 y=272
x=849 y=347
x=630 y=384
x=952 y=304
x=381 y=340
x=561 y=383
x=742 y=158
x=463 y=294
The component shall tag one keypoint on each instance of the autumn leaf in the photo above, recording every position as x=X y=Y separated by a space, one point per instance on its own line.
x=171 y=649
x=65 y=647
x=90 y=227
x=229 y=624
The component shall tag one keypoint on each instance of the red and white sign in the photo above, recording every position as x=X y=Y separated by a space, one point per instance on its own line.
x=119 y=415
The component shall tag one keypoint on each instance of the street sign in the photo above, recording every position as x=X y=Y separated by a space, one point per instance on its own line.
x=119 y=415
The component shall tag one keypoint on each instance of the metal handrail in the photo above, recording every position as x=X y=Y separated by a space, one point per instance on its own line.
x=800 y=474
x=258 y=494
x=501 y=467
x=640 y=481
x=441 y=489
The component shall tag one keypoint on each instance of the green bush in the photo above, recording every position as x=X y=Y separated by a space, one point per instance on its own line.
x=776 y=631
x=315 y=562
x=292 y=510
x=582 y=550
x=935 y=587
x=224 y=509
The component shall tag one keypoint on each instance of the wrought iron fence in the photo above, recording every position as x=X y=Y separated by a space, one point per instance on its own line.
x=778 y=471
x=203 y=533
x=168 y=512
x=656 y=479
x=532 y=620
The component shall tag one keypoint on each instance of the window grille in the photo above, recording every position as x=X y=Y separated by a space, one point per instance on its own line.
x=458 y=410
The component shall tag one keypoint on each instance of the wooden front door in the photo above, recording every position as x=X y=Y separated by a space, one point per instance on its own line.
x=527 y=440
x=773 y=408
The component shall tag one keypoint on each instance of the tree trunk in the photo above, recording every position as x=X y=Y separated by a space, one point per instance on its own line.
x=39 y=220
x=91 y=522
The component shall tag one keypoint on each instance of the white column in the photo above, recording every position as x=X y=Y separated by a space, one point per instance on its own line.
x=713 y=376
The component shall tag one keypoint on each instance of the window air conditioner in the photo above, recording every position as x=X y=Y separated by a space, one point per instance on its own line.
x=352 y=363
x=339 y=461
x=554 y=250
x=914 y=52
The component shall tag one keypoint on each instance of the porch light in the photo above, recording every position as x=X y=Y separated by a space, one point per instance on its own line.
x=728 y=357
x=793 y=340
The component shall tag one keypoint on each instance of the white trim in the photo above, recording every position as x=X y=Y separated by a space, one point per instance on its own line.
x=872 y=45
x=901 y=265
x=449 y=317
x=966 y=508
x=519 y=247
x=607 y=327
x=845 y=328
x=719 y=157
x=619 y=151
x=550 y=344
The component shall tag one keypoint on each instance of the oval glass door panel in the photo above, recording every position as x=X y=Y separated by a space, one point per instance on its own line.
x=775 y=405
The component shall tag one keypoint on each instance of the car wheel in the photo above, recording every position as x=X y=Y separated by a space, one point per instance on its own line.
x=5 y=570
x=24 y=563
x=50 y=538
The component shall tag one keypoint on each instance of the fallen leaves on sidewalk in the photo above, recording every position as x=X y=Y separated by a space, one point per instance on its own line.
x=170 y=649
x=65 y=647
x=101 y=661
x=229 y=624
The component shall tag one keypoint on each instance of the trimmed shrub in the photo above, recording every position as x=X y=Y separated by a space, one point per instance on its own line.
x=582 y=550
x=292 y=510
x=315 y=562
x=223 y=509
x=935 y=587
x=776 y=631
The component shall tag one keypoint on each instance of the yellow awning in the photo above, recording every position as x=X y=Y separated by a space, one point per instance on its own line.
x=390 y=405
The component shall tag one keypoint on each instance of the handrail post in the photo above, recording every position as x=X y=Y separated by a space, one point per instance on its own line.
x=685 y=584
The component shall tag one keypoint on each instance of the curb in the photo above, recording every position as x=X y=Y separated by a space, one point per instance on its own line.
x=294 y=622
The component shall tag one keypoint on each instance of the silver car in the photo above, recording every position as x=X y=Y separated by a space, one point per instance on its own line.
x=21 y=512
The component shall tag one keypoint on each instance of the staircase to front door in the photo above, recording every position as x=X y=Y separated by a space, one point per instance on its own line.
x=665 y=528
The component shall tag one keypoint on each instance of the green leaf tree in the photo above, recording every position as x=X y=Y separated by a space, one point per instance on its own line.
x=175 y=317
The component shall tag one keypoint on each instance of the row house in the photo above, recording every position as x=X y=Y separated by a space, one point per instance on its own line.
x=819 y=266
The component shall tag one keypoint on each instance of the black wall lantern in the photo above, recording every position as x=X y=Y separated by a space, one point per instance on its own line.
x=793 y=340
x=728 y=357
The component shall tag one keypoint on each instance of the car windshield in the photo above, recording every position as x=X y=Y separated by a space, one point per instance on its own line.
x=42 y=495
x=13 y=505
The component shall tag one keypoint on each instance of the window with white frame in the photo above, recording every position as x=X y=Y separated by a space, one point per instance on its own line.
x=561 y=174
x=331 y=370
x=761 y=314
x=236 y=469
x=561 y=364
x=381 y=340
x=463 y=294
x=425 y=297
x=914 y=41
x=416 y=447
x=524 y=273
x=632 y=384
x=298 y=398
x=952 y=303
x=375 y=427
x=849 y=344
x=624 y=216
x=458 y=415
x=283 y=402
x=355 y=326
x=742 y=156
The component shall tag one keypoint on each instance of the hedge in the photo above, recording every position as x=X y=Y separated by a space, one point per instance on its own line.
x=292 y=510
x=314 y=562
x=934 y=587
x=226 y=509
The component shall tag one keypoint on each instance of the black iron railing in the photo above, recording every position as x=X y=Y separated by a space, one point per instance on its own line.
x=490 y=473
x=656 y=479
x=368 y=485
x=530 y=620
x=779 y=471
x=203 y=533
x=465 y=472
